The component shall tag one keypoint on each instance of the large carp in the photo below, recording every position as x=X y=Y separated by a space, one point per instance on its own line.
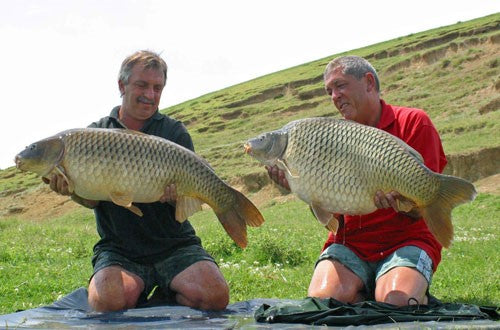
x=125 y=166
x=337 y=166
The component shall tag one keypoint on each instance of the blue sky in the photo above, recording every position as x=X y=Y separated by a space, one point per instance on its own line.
x=61 y=58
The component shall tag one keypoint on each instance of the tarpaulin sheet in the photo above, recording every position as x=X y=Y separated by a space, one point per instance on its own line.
x=318 y=311
x=72 y=311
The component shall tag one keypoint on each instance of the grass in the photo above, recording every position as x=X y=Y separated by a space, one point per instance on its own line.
x=42 y=261
x=470 y=270
x=12 y=180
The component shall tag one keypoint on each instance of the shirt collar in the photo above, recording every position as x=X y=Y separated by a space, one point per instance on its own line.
x=115 y=113
x=387 y=116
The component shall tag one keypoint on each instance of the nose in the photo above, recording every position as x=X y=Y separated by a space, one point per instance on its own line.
x=149 y=93
x=335 y=95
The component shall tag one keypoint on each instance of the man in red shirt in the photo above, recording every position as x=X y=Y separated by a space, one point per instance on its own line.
x=386 y=255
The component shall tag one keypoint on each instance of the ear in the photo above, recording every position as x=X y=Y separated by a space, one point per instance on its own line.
x=121 y=87
x=370 y=82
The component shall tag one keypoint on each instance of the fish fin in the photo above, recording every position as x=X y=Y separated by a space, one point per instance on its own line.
x=185 y=207
x=405 y=205
x=323 y=216
x=125 y=200
x=134 y=209
x=326 y=218
x=287 y=169
x=235 y=219
x=437 y=215
x=333 y=225
x=59 y=169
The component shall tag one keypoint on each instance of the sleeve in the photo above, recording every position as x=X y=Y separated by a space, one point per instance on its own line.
x=101 y=123
x=425 y=139
x=182 y=137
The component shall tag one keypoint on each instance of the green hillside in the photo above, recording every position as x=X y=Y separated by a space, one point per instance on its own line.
x=452 y=72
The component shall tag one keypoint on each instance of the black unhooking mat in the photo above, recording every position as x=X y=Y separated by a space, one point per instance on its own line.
x=332 y=312
x=72 y=311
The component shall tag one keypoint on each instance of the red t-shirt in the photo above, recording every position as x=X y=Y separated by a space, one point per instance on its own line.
x=376 y=235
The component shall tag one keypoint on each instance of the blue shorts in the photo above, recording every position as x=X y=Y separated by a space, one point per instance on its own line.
x=158 y=274
x=369 y=272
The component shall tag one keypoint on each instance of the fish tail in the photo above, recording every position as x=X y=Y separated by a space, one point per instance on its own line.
x=235 y=219
x=453 y=191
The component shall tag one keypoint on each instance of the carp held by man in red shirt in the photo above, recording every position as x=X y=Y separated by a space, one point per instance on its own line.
x=337 y=166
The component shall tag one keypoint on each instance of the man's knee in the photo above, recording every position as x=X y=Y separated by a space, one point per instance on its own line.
x=214 y=297
x=209 y=292
x=345 y=294
x=106 y=303
x=400 y=298
x=402 y=286
x=113 y=289
x=219 y=299
x=331 y=279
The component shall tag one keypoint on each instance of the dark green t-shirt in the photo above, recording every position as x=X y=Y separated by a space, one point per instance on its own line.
x=153 y=236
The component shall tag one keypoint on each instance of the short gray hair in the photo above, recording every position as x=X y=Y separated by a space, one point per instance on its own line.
x=149 y=59
x=352 y=65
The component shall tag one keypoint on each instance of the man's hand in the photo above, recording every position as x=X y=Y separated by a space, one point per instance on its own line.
x=58 y=184
x=398 y=202
x=169 y=195
x=384 y=201
x=278 y=176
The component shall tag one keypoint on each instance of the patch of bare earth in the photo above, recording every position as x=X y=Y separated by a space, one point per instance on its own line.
x=489 y=185
x=37 y=204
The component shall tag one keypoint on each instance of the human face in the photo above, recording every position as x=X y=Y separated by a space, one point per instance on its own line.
x=349 y=95
x=141 y=96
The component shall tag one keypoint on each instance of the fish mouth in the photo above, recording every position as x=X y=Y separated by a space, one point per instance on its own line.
x=248 y=148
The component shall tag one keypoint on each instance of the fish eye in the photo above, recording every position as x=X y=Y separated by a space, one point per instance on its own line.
x=32 y=147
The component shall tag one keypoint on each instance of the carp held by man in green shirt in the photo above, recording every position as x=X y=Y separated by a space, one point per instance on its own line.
x=125 y=166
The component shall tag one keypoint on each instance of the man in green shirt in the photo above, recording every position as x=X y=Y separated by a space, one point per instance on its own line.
x=136 y=254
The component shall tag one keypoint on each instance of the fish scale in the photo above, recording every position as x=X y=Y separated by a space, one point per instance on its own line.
x=128 y=167
x=337 y=166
